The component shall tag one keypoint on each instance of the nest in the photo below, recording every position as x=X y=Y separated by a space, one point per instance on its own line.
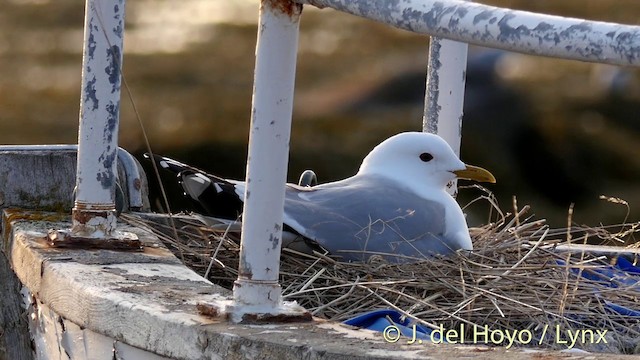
x=522 y=278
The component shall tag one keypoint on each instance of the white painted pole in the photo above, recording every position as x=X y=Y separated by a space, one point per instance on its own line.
x=94 y=208
x=444 y=98
x=257 y=287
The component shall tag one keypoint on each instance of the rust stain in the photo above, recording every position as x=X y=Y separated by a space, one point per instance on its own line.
x=208 y=310
x=157 y=251
x=276 y=318
x=286 y=7
x=244 y=268
x=63 y=239
x=26 y=215
x=84 y=217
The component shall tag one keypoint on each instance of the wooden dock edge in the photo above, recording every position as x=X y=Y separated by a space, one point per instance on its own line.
x=142 y=305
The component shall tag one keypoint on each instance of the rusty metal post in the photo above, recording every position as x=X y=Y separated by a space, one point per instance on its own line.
x=94 y=212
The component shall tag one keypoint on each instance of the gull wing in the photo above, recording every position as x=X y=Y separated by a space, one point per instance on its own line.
x=362 y=216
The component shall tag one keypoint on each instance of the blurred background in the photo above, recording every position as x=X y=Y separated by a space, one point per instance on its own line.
x=554 y=132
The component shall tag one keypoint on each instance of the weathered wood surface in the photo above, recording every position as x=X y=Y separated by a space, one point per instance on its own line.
x=55 y=337
x=148 y=301
x=43 y=178
x=14 y=326
x=37 y=179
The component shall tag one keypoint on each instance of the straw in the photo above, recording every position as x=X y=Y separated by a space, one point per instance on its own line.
x=513 y=280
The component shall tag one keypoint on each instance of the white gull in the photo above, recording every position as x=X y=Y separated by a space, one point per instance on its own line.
x=396 y=206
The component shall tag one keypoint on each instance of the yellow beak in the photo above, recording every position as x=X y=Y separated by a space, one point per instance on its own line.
x=475 y=173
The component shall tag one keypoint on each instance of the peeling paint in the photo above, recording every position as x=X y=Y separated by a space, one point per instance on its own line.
x=507 y=29
x=445 y=90
x=482 y=16
x=432 y=108
x=432 y=17
x=285 y=7
x=107 y=176
x=510 y=33
x=244 y=268
x=274 y=240
x=91 y=41
x=113 y=67
x=111 y=128
x=98 y=133
x=90 y=93
x=118 y=29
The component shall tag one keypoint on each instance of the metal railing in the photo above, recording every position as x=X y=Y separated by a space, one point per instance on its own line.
x=452 y=24
x=271 y=111
x=94 y=207
x=499 y=28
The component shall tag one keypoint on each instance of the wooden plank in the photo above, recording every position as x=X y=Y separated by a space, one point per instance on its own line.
x=43 y=177
x=144 y=299
x=37 y=179
x=58 y=338
x=14 y=324
x=151 y=305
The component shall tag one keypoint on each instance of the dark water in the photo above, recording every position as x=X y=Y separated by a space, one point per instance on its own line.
x=553 y=132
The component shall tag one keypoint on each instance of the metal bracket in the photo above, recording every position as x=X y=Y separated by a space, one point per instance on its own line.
x=287 y=312
x=117 y=240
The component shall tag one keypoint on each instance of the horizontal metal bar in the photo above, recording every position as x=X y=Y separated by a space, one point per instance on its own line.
x=49 y=148
x=507 y=29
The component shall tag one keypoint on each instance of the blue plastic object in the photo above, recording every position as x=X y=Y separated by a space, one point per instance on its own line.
x=622 y=274
x=379 y=320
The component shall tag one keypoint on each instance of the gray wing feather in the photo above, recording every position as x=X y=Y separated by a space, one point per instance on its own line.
x=362 y=216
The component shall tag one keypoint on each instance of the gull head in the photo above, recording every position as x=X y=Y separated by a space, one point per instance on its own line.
x=419 y=160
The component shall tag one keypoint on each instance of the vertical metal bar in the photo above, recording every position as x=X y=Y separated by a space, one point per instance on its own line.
x=257 y=284
x=444 y=98
x=94 y=207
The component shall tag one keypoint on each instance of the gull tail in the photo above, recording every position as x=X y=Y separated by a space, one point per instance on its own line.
x=177 y=167
x=218 y=197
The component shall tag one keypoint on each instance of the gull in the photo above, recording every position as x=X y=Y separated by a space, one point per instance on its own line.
x=395 y=207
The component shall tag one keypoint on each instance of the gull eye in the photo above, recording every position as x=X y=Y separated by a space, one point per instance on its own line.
x=426 y=157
